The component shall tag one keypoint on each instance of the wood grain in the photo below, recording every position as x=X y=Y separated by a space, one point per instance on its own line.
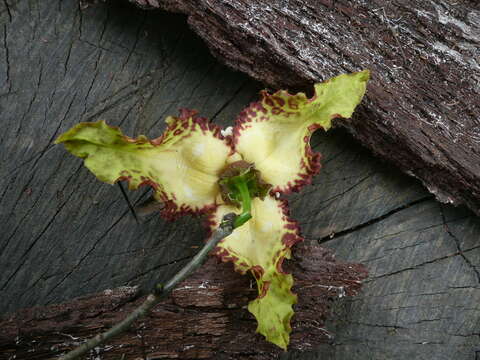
x=64 y=234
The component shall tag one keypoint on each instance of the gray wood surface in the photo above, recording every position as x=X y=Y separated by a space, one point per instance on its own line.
x=64 y=234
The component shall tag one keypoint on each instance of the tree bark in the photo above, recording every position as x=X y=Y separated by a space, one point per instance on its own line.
x=423 y=106
x=205 y=317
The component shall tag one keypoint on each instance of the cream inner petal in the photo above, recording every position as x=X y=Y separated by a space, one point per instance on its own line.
x=189 y=170
x=276 y=149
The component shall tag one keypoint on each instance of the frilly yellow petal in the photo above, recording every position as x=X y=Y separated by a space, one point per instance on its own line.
x=260 y=246
x=274 y=133
x=183 y=165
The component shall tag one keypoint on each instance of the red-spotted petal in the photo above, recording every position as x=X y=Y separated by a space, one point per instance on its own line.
x=183 y=165
x=260 y=246
x=274 y=133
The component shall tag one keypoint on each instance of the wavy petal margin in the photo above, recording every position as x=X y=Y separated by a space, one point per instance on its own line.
x=274 y=133
x=260 y=246
x=183 y=165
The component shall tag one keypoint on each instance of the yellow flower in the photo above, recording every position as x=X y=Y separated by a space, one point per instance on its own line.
x=185 y=166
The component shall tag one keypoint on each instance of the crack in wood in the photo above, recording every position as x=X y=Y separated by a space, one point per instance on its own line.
x=457 y=244
x=373 y=221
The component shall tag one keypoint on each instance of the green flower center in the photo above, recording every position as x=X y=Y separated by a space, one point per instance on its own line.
x=239 y=183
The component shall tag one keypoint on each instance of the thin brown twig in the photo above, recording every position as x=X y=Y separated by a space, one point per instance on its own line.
x=160 y=291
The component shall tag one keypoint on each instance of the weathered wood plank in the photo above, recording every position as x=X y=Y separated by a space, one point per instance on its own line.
x=423 y=294
x=423 y=100
x=64 y=234
x=205 y=317
x=53 y=208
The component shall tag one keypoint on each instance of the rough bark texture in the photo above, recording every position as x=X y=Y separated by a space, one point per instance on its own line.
x=64 y=234
x=423 y=106
x=206 y=316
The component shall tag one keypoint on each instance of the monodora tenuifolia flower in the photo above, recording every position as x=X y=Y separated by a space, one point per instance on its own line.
x=195 y=168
